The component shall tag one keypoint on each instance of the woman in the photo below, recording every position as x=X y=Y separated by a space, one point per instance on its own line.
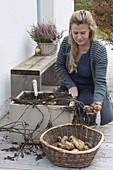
x=82 y=65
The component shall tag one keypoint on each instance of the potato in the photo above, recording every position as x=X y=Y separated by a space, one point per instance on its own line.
x=51 y=97
x=59 y=138
x=64 y=139
x=79 y=144
x=75 y=151
x=66 y=145
x=52 y=103
x=85 y=147
x=69 y=145
x=74 y=141
x=60 y=145
x=96 y=107
x=88 y=109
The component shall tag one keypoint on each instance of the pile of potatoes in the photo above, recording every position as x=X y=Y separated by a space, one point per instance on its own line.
x=72 y=143
x=92 y=108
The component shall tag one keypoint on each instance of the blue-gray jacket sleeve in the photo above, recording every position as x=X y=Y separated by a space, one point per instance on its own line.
x=99 y=70
x=60 y=65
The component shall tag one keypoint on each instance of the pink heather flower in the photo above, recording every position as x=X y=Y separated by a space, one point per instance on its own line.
x=45 y=32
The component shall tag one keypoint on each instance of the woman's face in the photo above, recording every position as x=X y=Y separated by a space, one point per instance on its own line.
x=80 y=33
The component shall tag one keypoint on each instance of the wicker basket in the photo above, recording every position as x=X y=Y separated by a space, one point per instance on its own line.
x=47 y=48
x=64 y=158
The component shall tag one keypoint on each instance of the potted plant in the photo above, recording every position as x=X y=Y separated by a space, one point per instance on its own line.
x=46 y=36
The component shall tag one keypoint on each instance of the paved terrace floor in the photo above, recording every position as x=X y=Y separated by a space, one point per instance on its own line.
x=102 y=161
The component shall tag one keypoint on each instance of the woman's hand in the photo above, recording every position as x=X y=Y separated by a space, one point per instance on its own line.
x=73 y=91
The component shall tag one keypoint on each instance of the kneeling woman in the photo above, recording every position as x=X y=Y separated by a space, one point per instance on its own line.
x=82 y=65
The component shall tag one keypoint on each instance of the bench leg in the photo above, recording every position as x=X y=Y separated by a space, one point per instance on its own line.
x=39 y=82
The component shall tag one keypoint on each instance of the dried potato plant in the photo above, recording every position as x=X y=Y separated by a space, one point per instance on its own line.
x=29 y=146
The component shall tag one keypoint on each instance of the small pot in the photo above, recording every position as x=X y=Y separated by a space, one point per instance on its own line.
x=47 y=48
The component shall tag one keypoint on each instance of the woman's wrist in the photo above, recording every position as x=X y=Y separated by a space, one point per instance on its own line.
x=98 y=103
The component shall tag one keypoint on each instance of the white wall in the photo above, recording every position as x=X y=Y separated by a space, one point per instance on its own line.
x=63 y=10
x=46 y=9
x=58 y=11
x=16 y=16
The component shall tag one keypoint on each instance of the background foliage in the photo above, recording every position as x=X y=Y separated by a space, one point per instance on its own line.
x=102 y=11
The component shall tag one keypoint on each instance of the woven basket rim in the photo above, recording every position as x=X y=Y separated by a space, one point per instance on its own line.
x=66 y=151
x=48 y=43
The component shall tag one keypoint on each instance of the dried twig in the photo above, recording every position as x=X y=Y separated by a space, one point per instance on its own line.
x=29 y=145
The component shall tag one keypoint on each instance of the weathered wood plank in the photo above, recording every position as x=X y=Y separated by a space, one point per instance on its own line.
x=34 y=65
x=50 y=77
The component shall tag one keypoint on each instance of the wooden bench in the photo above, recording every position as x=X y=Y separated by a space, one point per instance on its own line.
x=40 y=68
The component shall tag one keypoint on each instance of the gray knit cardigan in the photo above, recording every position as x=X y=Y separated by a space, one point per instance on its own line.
x=98 y=63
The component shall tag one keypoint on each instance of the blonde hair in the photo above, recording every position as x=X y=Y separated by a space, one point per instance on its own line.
x=80 y=17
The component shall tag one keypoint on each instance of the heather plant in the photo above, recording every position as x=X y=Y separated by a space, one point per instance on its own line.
x=45 y=33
